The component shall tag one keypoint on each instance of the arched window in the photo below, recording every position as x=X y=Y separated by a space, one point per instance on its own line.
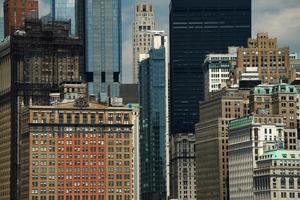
x=291 y=183
x=282 y=181
x=274 y=183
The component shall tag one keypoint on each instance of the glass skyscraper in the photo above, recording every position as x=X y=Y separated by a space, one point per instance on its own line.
x=64 y=10
x=153 y=83
x=198 y=28
x=103 y=40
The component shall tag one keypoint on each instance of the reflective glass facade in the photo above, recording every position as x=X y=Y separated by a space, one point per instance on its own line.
x=103 y=46
x=198 y=28
x=153 y=125
x=64 y=10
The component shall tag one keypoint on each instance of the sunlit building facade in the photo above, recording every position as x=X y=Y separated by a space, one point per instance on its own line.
x=143 y=24
x=76 y=150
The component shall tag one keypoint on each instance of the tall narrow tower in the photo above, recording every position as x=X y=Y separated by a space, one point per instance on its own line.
x=16 y=11
x=143 y=23
x=103 y=44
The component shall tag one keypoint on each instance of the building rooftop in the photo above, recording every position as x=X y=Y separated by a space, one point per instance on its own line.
x=256 y=119
x=272 y=89
x=240 y=122
x=280 y=154
x=80 y=104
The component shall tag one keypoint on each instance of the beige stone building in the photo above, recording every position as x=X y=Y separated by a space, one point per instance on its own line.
x=280 y=99
x=264 y=55
x=277 y=175
x=143 y=24
x=249 y=138
x=212 y=141
x=76 y=150
x=183 y=167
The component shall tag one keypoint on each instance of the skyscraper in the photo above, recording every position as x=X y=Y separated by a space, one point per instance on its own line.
x=212 y=139
x=64 y=10
x=143 y=23
x=153 y=83
x=198 y=28
x=103 y=46
x=85 y=151
x=29 y=71
x=16 y=11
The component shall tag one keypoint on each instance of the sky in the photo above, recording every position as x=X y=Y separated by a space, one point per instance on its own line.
x=280 y=18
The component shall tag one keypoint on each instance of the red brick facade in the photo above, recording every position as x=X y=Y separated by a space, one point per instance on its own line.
x=15 y=12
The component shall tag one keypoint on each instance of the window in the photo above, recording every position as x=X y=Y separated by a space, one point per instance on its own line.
x=69 y=118
x=292 y=195
x=256 y=134
x=282 y=181
x=93 y=118
x=116 y=77
x=291 y=183
x=84 y=118
x=76 y=118
x=61 y=118
x=51 y=117
x=100 y=117
x=103 y=77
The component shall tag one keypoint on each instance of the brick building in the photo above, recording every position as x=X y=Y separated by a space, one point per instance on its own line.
x=76 y=150
x=15 y=13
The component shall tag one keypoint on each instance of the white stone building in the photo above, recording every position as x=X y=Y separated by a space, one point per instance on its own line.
x=277 y=175
x=217 y=68
x=183 y=167
x=249 y=138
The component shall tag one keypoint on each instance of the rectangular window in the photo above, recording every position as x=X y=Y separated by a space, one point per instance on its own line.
x=69 y=118
x=92 y=118
x=116 y=77
x=84 y=118
x=103 y=77
x=61 y=118
x=51 y=117
x=76 y=118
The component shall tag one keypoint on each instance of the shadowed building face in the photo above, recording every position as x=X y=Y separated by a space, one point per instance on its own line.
x=198 y=28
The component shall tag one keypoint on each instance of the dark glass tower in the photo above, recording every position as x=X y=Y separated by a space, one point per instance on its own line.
x=197 y=28
x=153 y=121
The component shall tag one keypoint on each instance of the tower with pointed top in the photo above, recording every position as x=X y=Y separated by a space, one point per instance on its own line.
x=143 y=23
